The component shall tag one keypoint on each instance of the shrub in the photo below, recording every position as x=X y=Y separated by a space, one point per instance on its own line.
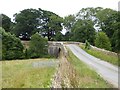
x=12 y=47
x=87 y=45
x=38 y=46
x=102 y=41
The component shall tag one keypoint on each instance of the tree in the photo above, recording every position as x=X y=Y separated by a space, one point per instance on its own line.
x=6 y=22
x=83 y=30
x=38 y=46
x=87 y=45
x=30 y=21
x=108 y=24
x=102 y=41
x=12 y=47
x=116 y=35
x=67 y=36
x=107 y=19
x=53 y=24
x=58 y=36
x=85 y=14
x=27 y=22
x=88 y=13
x=69 y=21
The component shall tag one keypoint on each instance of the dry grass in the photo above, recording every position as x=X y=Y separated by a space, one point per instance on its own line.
x=106 y=56
x=86 y=78
x=21 y=74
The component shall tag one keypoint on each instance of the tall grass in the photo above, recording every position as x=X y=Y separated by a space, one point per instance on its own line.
x=87 y=77
x=113 y=59
x=21 y=74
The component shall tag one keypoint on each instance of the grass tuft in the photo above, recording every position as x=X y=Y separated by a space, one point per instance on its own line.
x=87 y=77
x=22 y=74
x=113 y=59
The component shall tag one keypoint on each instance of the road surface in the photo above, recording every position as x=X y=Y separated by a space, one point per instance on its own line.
x=108 y=71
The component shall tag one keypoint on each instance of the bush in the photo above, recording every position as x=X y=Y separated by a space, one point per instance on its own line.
x=38 y=46
x=87 y=45
x=102 y=41
x=12 y=47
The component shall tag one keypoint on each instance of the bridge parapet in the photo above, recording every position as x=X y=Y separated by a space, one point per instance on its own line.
x=54 y=48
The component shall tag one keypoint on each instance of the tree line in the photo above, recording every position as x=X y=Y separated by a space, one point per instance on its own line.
x=100 y=27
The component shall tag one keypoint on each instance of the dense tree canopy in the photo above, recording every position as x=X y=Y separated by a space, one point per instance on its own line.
x=38 y=46
x=27 y=21
x=106 y=20
x=116 y=35
x=108 y=23
x=52 y=25
x=102 y=41
x=79 y=27
x=88 y=13
x=83 y=30
x=69 y=21
x=11 y=46
x=30 y=21
x=6 y=22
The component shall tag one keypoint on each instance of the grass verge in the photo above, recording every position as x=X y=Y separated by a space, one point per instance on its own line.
x=22 y=74
x=87 y=77
x=113 y=59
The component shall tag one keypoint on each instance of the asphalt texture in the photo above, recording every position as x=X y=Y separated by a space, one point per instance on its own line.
x=106 y=70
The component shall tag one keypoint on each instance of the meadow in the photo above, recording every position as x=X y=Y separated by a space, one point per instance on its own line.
x=23 y=74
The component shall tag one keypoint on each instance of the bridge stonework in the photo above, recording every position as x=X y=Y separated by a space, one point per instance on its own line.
x=54 y=48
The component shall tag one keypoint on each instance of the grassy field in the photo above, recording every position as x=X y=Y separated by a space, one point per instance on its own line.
x=22 y=74
x=87 y=78
x=113 y=59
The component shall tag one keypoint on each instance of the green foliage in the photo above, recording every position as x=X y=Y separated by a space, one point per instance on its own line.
x=83 y=30
x=107 y=20
x=87 y=78
x=31 y=21
x=88 y=13
x=67 y=36
x=87 y=45
x=6 y=22
x=116 y=35
x=52 y=24
x=30 y=75
x=58 y=36
x=108 y=23
x=11 y=46
x=69 y=22
x=27 y=21
x=106 y=56
x=38 y=46
x=102 y=41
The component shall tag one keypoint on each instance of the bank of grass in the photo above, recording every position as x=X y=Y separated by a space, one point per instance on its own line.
x=113 y=59
x=87 y=77
x=22 y=74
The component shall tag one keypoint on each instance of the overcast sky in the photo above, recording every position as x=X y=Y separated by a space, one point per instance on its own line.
x=60 y=7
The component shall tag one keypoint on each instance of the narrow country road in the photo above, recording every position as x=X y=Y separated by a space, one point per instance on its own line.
x=108 y=71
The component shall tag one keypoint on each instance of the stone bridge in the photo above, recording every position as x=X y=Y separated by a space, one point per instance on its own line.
x=54 y=48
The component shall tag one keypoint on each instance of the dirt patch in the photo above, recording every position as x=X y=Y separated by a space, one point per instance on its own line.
x=66 y=76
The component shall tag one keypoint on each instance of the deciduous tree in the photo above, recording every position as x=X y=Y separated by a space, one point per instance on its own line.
x=102 y=41
x=6 y=22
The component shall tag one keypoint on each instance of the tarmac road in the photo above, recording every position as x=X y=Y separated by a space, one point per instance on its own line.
x=106 y=70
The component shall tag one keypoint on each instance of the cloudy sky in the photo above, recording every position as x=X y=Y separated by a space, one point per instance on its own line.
x=60 y=7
